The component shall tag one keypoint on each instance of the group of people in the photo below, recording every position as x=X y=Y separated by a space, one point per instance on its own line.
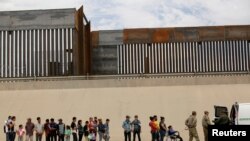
x=159 y=130
x=191 y=123
x=57 y=131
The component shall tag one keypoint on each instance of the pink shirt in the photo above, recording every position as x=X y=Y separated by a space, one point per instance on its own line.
x=20 y=132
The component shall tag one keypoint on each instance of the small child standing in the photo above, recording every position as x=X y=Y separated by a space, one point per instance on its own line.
x=92 y=136
x=67 y=133
x=20 y=132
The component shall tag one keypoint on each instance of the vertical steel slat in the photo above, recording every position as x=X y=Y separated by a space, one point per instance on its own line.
x=127 y=59
x=182 y=59
x=134 y=59
x=247 y=56
x=69 y=51
x=225 y=55
x=237 y=56
x=45 y=50
x=191 y=57
x=4 y=53
x=200 y=56
x=40 y=53
x=137 y=59
x=7 y=54
x=234 y=55
x=194 y=56
x=206 y=56
x=57 y=52
x=231 y=55
x=154 y=56
x=32 y=46
x=144 y=55
x=48 y=48
x=248 y=48
x=150 y=48
x=11 y=56
x=188 y=56
x=212 y=55
x=209 y=57
x=118 y=58
x=240 y=54
x=36 y=53
x=165 y=58
x=15 y=73
x=203 y=57
x=215 y=56
x=52 y=51
x=177 y=57
x=162 y=58
x=197 y=69
x=61 y=51
x=174 y=55
x=169 y=57
x=124 y=59
x=23 y=64
x=1 y=55
x=221 y=56
x=28 y=53
x=228 y=56
x=130 y=59
x=65 y=62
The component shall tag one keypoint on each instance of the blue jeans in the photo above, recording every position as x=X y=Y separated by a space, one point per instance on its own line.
x=163 y=134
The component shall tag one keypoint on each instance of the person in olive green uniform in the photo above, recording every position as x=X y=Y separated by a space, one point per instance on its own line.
x=223 y=119
x=191 y=123
x=205 y=122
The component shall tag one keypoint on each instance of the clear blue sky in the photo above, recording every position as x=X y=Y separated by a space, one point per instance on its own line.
x=118 y=14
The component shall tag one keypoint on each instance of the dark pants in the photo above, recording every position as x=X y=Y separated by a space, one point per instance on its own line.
x=163 y=134
x=155 y=136
x=61 y=137
x=53 y=137
x=138 y=135
x=80 y=137
x=74 y=136
x=11 y=136
x=127 y=136
x=39 y=137
x=47 y=138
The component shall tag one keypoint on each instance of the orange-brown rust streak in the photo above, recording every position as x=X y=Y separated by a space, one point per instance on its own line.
x=94 y=39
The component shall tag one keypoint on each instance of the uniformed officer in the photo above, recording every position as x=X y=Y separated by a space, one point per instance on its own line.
x=205 y=122
x=191 y=123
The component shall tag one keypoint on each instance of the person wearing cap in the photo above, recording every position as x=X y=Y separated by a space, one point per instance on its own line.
x=191 y=123
x=223 y=119
x=205 y=122
x=136 y=125
x=127 y=129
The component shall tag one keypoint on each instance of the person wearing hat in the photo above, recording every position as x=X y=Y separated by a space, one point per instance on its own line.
x=223 y=119
x=127 y=126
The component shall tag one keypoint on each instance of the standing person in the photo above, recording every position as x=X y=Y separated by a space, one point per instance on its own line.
x=53 y=130
x=29 y=130
x=11 y=128
x=61 y=130
x=67 y=133
x=39 y=129
x=136 y=126
x=86 y=130
x=191 y=123
x=20 y=132
x=205 y=122
x=106 y=136
x=101 y=129
x=127 y=128
x=163 y=129
x=6 y=128
x=154 y=128
x=74 y=129
x=47 y=130
x=80 y=130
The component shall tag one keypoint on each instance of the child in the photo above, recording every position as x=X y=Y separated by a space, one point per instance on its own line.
x=92 y=136
x=20 y=132
x=67 y=133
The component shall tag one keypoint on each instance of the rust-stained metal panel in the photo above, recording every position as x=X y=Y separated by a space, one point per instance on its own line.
x=186 y=34
x=237 y=32
x=137 y=35
x=87 y=49
x=213 y=33
x=163 y=35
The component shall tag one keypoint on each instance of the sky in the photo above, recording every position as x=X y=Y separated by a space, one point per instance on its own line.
x=120 y=14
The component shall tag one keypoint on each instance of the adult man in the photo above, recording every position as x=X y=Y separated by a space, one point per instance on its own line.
x=163 y=129
x=39 y=129
x=74 y=129
x=191 y=123
x=136 y=125
x=47 y=130
x=29 y=130
x=205 y=123
x=61 y=130
x=106 y=134
x=127 y=128
x=53 y=130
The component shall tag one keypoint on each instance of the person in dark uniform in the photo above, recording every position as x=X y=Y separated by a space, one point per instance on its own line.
x=223 y=119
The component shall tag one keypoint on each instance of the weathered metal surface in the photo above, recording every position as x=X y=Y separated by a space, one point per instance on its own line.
x=111 y=37
x=94 y=39
x=87 y=49
x=37 y=19
x=237 y=32
x=213 y=33
x=104 y=60
x=137 y=36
